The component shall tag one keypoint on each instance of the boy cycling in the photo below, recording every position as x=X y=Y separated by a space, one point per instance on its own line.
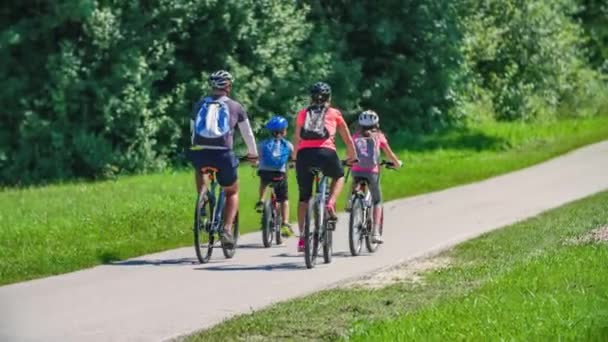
x=274 y=154
x=314 y=138
x=369 y=141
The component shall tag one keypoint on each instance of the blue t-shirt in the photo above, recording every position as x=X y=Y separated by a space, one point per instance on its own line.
x=262 y=165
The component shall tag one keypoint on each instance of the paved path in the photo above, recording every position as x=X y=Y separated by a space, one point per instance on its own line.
x=159 y=296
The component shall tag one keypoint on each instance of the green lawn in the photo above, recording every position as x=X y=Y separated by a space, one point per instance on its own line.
x=525 y=282
x=61 y=228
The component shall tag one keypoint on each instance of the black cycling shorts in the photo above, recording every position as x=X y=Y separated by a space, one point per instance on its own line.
x=280 y=183
x=223 y=160
x=324 y=159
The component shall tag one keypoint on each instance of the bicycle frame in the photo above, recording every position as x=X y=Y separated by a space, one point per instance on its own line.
x=217 y=203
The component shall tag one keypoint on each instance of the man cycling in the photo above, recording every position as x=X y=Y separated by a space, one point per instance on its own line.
x=214 y=120
x=314 y=138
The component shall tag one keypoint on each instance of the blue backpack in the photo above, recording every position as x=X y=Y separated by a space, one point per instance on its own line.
x=275 y=153
x=213 y=118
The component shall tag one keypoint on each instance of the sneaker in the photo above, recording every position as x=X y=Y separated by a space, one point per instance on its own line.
x=227 y=240
x=376 y=237
x=286 y=230
x=259 y=207
x=301 y=245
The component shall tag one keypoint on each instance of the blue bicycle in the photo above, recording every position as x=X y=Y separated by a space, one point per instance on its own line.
x=209 y=220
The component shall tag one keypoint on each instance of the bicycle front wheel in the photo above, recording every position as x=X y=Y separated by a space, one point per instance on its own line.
x=311 y=237
x=203 y=241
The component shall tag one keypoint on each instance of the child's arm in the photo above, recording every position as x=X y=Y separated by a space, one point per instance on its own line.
x=389 y=152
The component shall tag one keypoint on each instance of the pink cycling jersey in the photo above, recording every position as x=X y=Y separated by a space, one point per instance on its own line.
x=333 y=118
x=381 y=143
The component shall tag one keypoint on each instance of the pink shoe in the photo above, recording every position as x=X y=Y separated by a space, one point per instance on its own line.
x=301 y=245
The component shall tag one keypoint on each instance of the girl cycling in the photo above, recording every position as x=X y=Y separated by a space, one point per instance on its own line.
x=369 y=141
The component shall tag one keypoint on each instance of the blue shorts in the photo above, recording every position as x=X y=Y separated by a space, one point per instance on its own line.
x=223 y=160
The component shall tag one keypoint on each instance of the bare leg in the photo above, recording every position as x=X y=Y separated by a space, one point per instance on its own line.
x=198 y=180
x=232 y=205
x=262 y=189
x=285 y=211
x=335 y=189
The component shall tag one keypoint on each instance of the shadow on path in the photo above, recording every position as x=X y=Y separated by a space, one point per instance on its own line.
x=286 y=266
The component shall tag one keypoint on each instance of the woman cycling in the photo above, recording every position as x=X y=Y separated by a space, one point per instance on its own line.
x=314 y=139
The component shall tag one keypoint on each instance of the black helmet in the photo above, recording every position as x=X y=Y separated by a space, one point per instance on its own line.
x=320 y=92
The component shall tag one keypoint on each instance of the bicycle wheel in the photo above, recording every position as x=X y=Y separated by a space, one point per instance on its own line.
x=229 y=252
x=203 y=248
x=311 y=237
x=267 y=225
x=278 y=221
x=355 y=227
x=369 y=243
x=328 y=247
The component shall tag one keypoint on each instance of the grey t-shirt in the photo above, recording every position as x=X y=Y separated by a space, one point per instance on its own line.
x=237 y=114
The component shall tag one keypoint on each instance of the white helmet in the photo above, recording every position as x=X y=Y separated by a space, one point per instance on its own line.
x=220 y=79
x=368 y=118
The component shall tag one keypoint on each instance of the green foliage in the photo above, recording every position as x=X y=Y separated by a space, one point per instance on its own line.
x=93 y=88
x=90 y=88
x=594 y=17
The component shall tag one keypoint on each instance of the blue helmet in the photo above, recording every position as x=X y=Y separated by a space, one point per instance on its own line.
x=276 y=124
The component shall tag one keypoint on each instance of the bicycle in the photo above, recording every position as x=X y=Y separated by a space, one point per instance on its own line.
x=318 y=227
x=272 y=217
x=360 y=224
x=208 y=217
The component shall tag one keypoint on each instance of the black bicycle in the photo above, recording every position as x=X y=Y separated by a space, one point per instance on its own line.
x=209 y=220
x=318 y=226
x=272 y=217
x=360 y=224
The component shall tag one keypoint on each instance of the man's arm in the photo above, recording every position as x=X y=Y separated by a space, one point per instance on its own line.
x=247 y=134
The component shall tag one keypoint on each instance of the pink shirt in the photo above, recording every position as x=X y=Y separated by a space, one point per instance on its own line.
x=381 y=143
x=333 y=117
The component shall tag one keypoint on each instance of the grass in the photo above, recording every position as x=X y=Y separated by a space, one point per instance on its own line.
x=524 y=282
x=61 y=228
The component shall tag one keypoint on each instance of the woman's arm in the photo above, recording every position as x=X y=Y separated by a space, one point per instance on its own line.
x=296 y=141
x=348 y=140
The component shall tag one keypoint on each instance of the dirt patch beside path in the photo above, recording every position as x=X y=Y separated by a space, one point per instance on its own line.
x=412 y=271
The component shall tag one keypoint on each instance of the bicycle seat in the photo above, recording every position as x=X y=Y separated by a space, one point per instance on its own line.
x=209 y=169
x=315 y=170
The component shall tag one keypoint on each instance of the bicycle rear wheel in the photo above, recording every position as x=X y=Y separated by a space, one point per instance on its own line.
x=311 y=237
x=328 y=247
x=229 y=252
x=203 y=248
x=267 y=225
x=355 y=227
